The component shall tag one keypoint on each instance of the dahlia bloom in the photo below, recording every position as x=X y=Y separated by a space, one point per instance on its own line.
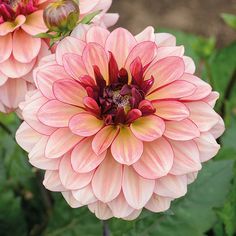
x=20 y=51
x=119 y=123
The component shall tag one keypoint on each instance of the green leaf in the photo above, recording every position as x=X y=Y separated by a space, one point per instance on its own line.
x=229 y=19
x=88 y=18
x=193 y=214
x=44 y=36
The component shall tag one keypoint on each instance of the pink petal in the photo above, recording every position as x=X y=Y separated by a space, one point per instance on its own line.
x=137 y=190
x=146 y=51
x=98 y=35
x=14 y=69
x=218 y=129
x=80 y=31
x=8 y=27
x=26 y=137
x=165 y=71
x=171 y=110
x=174 y=90
x=146 y=35
x=134 y=215
x=46 y=76
x=120 y=208
x=6 y=47
x=69 y=45
x=70 y=92
x=158 y=203
x=191 y=177
x=207 y=145
x=83 y=158
x=68 y=196
x=202 y=115
x=104 y=138
x=211 y=98
x=148 y=128
x=120 y=42
x=171 y=186
x=91 y=105
x=71 y=179
x=85 y=7
x=189 y=65
x=165 y=40
x=25 y=47
x=85 y=195
x=34 y=23
x=108 y=19
x=202 y=88
x=29 y=114
x=107 y=179
x=60 y=142
x=85 y=124
x=52 y=181
x=163 y=52
x=156 y=161
x=37 y=157
x=186 y=157
x=95 y=55
x=4 y=79
x=181 y=130
x=74 y=65
x=57 y=114
x=101 y=210
x=126 y=148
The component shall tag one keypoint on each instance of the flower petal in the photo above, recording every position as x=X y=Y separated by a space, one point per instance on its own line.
x=34 y=23
x=107 y=179
x=207 y=145
x=171 y=110
x=46 y=76
x=181 y=130
x=6 y=47
x=146 y=35
x=186 y=157
x=174 y=90
x=156 y=161
x=218 y=129
x=119 y=206
x=70 y=92
x=202 y=115
x=158 y=203
x=137 y=190
x=165 y=40
x=95 y=55
x=172 y=186
x=104 y=138
x=57 y=114
x=74 y=65
x=68 y=196
x=25 y=47
x=98 y=35
x=60 y=142
x=85 y=195
x=101 y=210
x=71 y=179
x=120 y=42
x=165 y=71
x=26 y=137
x=69 y=45
x=83 y=158
x=52 y=181
x=85 y=124
x=189 y=65
x=148 y=128
x=126 y=148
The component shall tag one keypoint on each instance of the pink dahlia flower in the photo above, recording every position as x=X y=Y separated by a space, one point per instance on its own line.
x=119 y=123
x=19 y=51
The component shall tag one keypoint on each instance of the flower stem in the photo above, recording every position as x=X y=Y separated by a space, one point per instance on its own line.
x=106 y=231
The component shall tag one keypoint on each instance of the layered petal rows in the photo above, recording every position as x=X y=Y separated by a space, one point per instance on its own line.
x=119 y=122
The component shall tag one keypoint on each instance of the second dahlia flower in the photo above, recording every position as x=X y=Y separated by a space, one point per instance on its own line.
x=119 y=122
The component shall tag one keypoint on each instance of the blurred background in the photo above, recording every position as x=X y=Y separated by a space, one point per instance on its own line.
x=201 y=17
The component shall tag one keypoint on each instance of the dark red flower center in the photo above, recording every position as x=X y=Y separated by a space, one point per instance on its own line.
x=123 y=99
x=10 y=9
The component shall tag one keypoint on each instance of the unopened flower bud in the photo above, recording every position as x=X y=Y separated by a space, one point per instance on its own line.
x=62 y=15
